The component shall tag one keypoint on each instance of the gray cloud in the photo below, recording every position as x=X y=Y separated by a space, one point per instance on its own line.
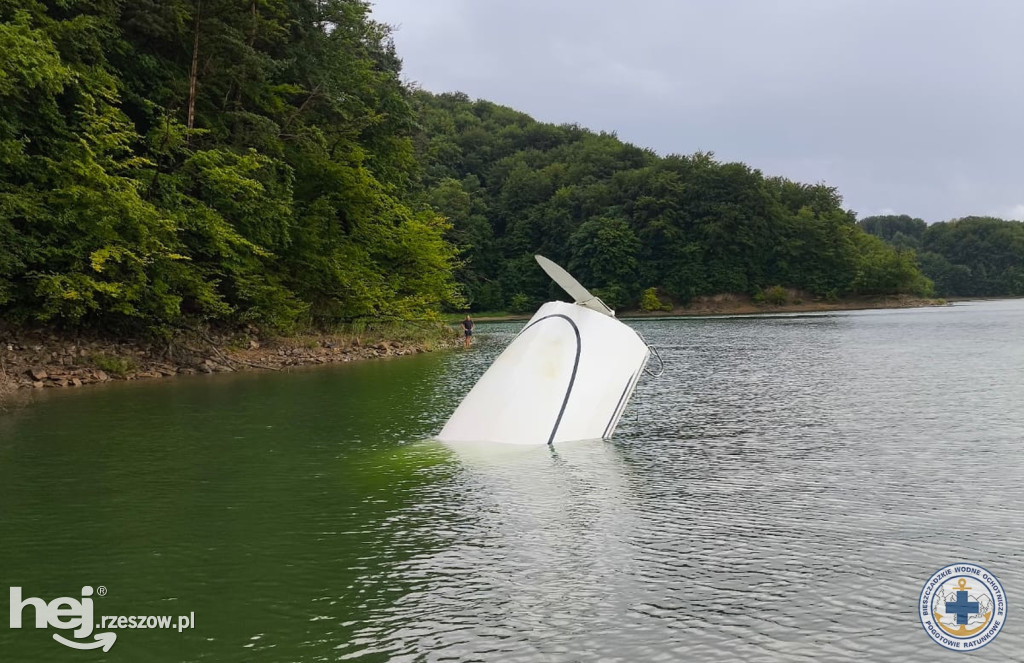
x=912 y=106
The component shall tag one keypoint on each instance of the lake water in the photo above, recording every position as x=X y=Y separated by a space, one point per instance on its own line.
x=780 y=493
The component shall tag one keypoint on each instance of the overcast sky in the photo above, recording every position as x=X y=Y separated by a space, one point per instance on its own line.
x=907 y=106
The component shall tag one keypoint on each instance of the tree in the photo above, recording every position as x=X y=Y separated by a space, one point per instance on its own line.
x=701 y=226
x=889 y=226
x=883 y=270
x=223 y=161
x=604 y=256
x=969 y=256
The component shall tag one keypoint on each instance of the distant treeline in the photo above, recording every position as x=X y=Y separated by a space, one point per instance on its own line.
x=623 y=219
x=972 y=256
x=179 y=162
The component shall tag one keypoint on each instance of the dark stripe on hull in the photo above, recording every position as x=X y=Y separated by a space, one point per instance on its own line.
x=575 y=366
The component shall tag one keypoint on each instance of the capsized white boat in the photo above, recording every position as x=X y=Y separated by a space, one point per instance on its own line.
x=568 y=375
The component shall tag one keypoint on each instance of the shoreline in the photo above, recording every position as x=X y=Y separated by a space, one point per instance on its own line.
x=45 y=359
x=726 y=305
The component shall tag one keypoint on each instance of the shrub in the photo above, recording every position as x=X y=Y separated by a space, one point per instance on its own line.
x=7 y=387
x=776 y=295
x=520 y=303
x=118 y=366
x=649 y=301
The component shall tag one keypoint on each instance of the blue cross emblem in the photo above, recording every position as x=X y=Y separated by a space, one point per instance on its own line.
x=962 y=607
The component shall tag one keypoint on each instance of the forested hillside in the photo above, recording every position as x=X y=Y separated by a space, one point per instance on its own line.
x=973 y=256
x=166 y=163
x=624 y=219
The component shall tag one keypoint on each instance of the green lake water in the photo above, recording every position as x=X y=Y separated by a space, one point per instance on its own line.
x=781 y=492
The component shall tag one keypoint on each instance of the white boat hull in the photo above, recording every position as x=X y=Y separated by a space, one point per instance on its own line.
x=567 y=376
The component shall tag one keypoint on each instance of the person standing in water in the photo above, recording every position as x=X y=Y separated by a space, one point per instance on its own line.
x=467 y=327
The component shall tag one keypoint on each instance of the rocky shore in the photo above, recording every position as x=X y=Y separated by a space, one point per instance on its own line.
x=42 y=360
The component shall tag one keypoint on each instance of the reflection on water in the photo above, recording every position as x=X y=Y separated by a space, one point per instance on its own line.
x=781 y=493
x=532 y=548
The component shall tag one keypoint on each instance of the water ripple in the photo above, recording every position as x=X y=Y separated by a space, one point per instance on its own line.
x=781 y=493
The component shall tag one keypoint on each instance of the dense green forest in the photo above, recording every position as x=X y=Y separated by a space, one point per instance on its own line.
x=165 y=163
x=171 y=161
x=624 y=219
x=973 y=256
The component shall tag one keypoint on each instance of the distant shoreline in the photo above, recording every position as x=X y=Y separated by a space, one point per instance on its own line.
x=726 y=305
x=40 y=359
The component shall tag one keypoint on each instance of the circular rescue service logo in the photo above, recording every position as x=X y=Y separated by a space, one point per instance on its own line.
x=962 y=607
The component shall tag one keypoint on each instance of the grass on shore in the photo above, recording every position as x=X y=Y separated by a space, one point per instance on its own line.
x=7 y=386
x=118 y=366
